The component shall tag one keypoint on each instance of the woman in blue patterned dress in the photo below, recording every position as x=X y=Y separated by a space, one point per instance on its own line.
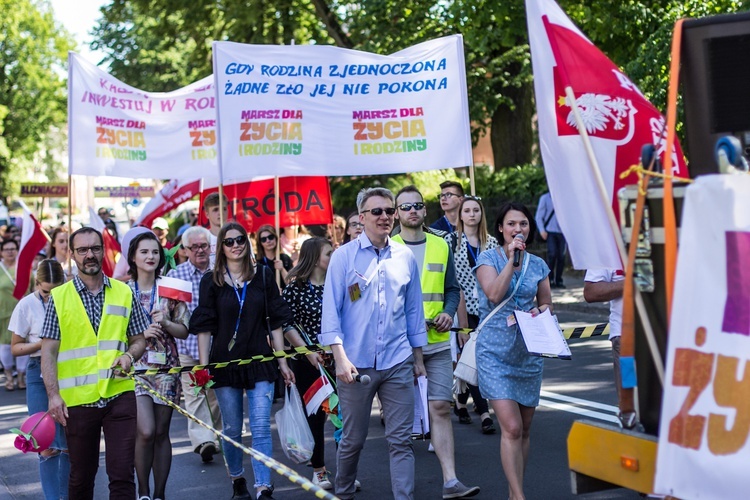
x=509 y=376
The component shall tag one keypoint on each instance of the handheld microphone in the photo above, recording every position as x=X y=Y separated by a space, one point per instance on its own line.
x=517 y=253
x=362 y=379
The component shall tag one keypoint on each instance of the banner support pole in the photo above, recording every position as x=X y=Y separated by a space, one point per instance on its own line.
x=472 y=184
x=70 y=223
x=277 y=223
x=221 y=204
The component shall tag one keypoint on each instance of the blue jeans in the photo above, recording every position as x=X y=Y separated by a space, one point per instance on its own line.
x=259 y=401
x=54 y=471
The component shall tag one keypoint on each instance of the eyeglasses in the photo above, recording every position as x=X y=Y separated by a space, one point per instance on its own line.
x=448 y=195
x=195 y=248
x=240 y=240
x=270 y=237
x=10 y=249
x=377 y=212
x=406 y=207
x=83 y=251
x=356 y=225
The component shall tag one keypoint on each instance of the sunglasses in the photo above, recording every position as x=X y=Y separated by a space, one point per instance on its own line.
x=406 y=207
x=377 y=212
x=470 y=197
x=356 y=225
x=239 y=240
x=270 y=237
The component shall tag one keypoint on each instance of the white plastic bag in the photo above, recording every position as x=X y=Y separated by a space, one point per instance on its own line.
x=294 y=433
x=466 y=368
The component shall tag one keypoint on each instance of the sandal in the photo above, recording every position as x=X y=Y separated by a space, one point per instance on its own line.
x=9 y=385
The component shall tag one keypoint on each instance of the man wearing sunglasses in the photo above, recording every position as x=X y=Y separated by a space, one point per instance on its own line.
x=91 y=336
x=441 y=295
x=451 y=193
x=374 y=322
x=204 y=406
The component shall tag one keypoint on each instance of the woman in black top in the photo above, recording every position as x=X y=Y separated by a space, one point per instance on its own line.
x=266 y=242
x=240 y=308
x=304 y=294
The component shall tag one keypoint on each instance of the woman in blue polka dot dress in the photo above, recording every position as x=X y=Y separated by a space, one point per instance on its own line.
x=509 y=376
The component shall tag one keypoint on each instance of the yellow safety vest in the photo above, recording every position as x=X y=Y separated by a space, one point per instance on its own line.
x=85 y=357
x=433 y=282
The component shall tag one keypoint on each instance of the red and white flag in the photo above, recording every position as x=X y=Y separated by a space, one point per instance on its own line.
x=33 y=240
x=618 y=119
x=174 y=193
x=175 y=289
x=112 y=249
x=318 y=392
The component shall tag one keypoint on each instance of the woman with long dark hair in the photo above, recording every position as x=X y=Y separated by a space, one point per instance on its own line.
x=468 y=241
x=26 y=325
x=169 y=320
x=240 y=309
x=266 y=241
x=304 y=294
x=58 y=250
x=509 y=376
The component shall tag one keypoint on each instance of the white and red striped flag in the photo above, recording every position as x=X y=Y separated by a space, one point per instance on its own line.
x=318 y=392
x=618 y=119
x=171 y=196
x=175 y=289
x=33 y=240
x=112 y=249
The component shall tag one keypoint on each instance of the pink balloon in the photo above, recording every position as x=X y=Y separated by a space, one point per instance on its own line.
x=42 y=427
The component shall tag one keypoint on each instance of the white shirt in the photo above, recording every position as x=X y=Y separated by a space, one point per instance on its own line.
x=615 y=305
x=27 y=320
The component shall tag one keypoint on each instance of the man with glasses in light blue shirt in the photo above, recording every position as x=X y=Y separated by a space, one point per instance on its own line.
x=373 y=319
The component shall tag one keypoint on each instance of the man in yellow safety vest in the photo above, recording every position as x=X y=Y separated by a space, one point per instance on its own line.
x=92 y=335
x=441 y=295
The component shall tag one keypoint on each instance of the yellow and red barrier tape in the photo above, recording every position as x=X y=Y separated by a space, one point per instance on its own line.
x=269 y=462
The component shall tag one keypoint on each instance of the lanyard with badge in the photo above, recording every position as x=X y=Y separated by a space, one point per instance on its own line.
x=241 y=301
x=159 y=356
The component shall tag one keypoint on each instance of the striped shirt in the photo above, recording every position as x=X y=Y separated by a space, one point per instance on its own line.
x=188 y=272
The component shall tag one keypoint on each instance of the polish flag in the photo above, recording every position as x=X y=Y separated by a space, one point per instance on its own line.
x=112 y=248
x=618 y=119
x=173 y=194
x=175 y=289
x=317 y=394
x=33 y=240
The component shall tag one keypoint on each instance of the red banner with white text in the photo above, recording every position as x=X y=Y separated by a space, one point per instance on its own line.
x=303 y=200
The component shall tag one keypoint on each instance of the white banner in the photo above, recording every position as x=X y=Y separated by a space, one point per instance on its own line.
x=320 y=110
x=705 y=423
x=121 y=131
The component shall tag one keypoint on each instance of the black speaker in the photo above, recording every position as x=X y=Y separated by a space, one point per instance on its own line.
x=715 y=76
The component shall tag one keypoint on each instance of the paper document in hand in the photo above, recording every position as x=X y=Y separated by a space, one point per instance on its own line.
x=542 y=335
x=421 y=412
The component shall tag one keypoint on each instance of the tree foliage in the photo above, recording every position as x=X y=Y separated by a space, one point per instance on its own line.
x=33 y=54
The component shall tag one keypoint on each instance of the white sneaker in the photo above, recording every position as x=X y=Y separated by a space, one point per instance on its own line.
x=322 y=480
x=431 y=449
x=357 y=485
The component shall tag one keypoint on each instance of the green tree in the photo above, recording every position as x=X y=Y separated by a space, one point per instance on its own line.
x=33 y=55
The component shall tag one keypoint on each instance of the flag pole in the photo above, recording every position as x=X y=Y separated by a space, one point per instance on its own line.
x=68 y=262
x=604 y=196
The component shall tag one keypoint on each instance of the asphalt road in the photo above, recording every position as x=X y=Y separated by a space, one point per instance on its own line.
x=581 y=388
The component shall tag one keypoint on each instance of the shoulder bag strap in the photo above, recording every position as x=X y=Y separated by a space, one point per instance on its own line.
x=515 y=289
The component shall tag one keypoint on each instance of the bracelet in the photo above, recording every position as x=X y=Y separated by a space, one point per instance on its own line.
x=132 y=358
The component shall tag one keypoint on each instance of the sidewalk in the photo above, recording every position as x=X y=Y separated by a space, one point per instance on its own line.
x=570 y=299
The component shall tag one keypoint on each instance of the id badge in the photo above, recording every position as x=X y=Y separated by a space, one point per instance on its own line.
x=354 y=292
x=156 y=358
x=511 y=319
